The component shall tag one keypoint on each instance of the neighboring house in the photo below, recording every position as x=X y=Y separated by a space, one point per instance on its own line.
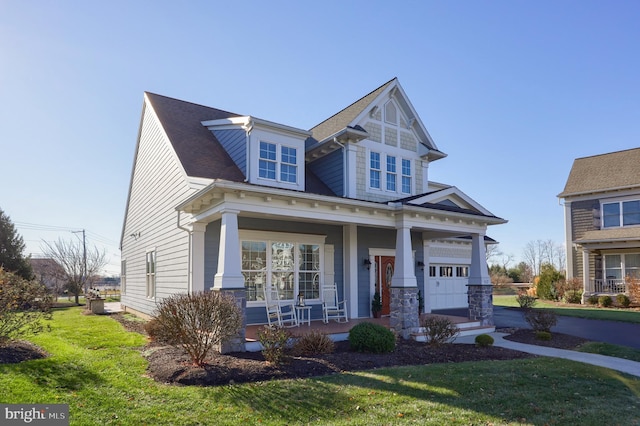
x=50 y=273
x=232 y=202
x=602 y=221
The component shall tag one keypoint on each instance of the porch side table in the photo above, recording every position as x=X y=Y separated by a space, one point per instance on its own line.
x=300 y=313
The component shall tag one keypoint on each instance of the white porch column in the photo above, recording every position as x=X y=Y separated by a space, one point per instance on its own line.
x=405 y=273
x=478 y=272
x=350 y=237
x=480 y=289
x=404 y=285
x=229 y=275
x=585 y=274
x=426 y=292
x=197 y=256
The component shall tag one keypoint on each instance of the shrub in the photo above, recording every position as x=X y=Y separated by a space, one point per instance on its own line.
x=484 y=340
x=567 y=288
x=573 y=296
x=623 y=300
x=198 y=321
x=275 y=341
x=605 y=301
x=439 y=330
x=369 y=337
x=23 y=304
x=633 y=287
x=545 y=287
x=593 y=299
x=541 y=320
x=153 y=329
x=313 y=343
x=543 y=335
x=525 y=301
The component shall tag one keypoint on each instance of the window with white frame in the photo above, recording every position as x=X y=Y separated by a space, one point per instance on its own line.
x=292 y=264
x=278 y=163
x=621 y=213
x=388 y=181
x=406 y=176
x=374 y=170
x=390 y=113
x=123 y=276
x=620 y=266
x=391 y=173
x=151 y=273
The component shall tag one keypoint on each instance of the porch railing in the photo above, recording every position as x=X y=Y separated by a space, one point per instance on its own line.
x=609 y=285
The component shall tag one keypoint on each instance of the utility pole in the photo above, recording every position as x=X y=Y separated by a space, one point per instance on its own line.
x=84 y=258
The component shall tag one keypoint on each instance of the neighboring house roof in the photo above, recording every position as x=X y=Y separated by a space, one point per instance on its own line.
x=605 y=172
x=610 y=235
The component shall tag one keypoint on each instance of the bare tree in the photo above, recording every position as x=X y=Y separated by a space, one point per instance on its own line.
x=492 y=252
x=537 y=253
x=80 y=269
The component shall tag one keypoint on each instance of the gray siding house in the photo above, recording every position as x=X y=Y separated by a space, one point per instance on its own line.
x=227 y=202
x=602 y=221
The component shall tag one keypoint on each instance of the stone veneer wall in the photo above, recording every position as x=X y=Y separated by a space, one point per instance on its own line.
x=237 y=342
x=404 y=310
x=481 y=303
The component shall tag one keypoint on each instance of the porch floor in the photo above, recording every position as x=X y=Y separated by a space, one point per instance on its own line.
x=339 y=330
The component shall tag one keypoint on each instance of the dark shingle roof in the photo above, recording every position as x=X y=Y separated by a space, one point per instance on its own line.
x=340 y=120
x=599 y=173
x=200 y=153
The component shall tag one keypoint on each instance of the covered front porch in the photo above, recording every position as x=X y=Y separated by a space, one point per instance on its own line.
x=340 y=331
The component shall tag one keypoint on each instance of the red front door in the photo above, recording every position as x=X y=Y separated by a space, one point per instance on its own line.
x=386 y=266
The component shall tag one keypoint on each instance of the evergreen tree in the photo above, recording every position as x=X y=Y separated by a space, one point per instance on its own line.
x=11 y=249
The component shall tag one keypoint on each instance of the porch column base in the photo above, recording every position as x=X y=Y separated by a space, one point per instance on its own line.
x=481 y=303
x=404 y=310
x=236 y=343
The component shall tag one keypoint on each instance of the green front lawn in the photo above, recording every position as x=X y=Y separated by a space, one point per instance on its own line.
x=96 y=367
x=580 y=311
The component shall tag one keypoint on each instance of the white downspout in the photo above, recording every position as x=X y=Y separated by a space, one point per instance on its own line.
x=247 y=128
x=190 y=271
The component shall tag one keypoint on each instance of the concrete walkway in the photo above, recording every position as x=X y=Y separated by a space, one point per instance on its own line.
x=112 y=307
x=618 y=364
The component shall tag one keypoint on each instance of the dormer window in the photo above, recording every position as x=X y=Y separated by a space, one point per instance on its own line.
x=284 y=169
x=621 y=213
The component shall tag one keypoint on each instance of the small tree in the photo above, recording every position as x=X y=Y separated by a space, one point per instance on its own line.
x=23 y=304
x=545 y=288
x=12 y=249
x=197 y=322
x=81 y=268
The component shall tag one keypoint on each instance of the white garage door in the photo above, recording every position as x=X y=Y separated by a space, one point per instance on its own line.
x=447 y=286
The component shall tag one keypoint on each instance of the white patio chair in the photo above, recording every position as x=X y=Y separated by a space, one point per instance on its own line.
x=275 y=313
x=331 y=307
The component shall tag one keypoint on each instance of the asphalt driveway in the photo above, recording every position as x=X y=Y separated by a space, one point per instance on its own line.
x=614 y=332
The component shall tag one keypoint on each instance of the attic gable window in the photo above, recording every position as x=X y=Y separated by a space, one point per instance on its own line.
x=626 y=213
x=390 y=113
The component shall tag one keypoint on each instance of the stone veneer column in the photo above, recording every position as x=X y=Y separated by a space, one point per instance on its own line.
x=404 y=289
x=229 y=278
x=480 y=289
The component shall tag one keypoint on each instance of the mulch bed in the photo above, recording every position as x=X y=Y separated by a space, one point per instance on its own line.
x=171 y=365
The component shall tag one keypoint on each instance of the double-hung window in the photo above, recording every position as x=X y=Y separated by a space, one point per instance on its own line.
x=374 y=170
x=406 y=176
x=391 y=173
x=278 y=162
x=397 y=173
x=621 y=213
x=151 y=274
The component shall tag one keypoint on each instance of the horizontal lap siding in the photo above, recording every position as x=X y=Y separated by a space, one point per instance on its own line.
x=584 y=217
x=158 y=186
x=235 y=143
x=330 y=170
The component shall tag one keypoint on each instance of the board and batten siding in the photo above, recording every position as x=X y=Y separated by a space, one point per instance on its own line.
x=158 y=185
x=234 y=142
x=330 y=170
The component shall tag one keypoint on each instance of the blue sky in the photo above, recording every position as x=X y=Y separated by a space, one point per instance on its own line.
x=512 y=91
